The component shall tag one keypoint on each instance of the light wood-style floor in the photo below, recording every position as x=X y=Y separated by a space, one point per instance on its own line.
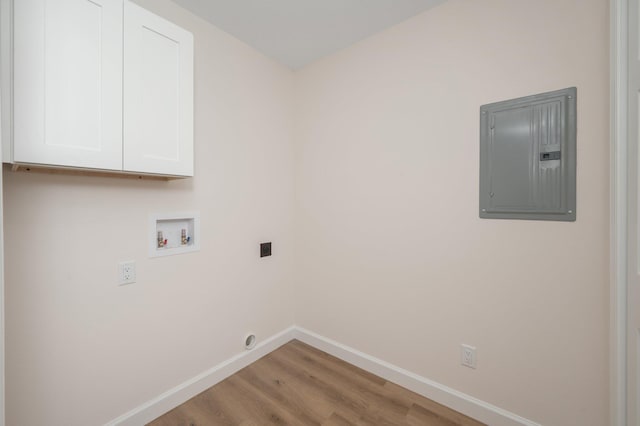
x=300 y=385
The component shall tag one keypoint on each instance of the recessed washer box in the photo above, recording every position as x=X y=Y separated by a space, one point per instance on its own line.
x=528 y=157
x=174 y=233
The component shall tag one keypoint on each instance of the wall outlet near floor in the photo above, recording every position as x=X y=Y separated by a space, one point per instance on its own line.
x=126 y=272
x=468 y=356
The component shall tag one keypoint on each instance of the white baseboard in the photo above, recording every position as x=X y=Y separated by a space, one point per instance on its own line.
x=154 y=408
x=441 y=394
x=444 y=395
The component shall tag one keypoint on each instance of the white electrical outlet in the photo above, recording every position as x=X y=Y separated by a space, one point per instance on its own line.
x=126 y=272
x=468 y=356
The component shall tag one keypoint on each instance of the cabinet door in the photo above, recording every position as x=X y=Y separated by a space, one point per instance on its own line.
x=68 y=83
x=158 y=95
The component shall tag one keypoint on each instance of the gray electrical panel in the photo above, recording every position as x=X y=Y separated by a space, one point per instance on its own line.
x=528 y=157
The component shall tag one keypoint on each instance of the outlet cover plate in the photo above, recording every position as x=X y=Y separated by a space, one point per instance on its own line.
x=468 y=356
x=127 y=272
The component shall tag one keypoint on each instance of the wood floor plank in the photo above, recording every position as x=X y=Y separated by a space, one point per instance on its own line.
x=333 y=360
x=420 y=416
x=277 y=390
x=325 y=391
x=301 y=385
x=256 y=406
x=432 y=406
x=191 y=414
x=394 y=408
x=337 y=420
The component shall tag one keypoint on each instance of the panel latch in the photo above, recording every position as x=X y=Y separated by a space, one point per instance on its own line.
x=553 y=155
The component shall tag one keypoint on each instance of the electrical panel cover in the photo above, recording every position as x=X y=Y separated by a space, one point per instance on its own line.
x=528 y=157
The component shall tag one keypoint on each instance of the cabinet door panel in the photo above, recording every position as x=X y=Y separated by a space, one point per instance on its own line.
x=68 y=83
x=158 y=100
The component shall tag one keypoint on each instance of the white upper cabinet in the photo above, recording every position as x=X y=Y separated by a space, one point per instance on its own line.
x=158 y=100
x=67 y=79
x=98 y=84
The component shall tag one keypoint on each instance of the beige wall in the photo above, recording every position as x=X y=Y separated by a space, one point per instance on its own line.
x=391 y=256
x=80 y=349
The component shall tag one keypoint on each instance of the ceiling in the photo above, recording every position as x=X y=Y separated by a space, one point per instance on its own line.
x=297 y=32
